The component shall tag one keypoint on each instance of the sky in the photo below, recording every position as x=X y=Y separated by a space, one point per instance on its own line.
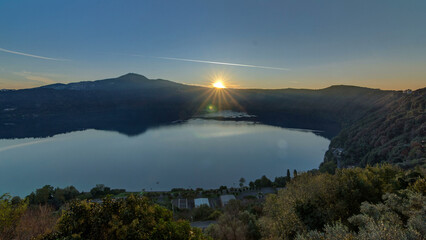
x=248 y=43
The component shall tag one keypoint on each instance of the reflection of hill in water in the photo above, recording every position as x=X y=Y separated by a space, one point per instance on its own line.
x=132 y=123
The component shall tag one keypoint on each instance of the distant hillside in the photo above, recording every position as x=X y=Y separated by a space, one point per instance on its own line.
x=130 y=81
x=395 y=133
x=341 y=104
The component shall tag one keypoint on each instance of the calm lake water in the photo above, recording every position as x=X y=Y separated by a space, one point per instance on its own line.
x=196 y=153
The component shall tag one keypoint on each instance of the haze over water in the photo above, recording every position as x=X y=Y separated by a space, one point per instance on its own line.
x=195 y=153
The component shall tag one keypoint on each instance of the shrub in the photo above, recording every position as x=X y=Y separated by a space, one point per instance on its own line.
x=401 y=216
x=202 y=213
x=237 y=222
x=36 y=221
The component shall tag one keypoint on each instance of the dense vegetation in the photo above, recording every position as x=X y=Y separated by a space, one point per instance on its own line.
x=313 y=201
x=382 y=202
x=56 y=197
x=10 y=213
x=400 y=216
x=129 y=218
x=394 y=134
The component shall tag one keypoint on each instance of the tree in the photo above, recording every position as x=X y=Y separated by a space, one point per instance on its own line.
x=16 y=200
x=98 y=191
x=54 y=197
x=70 y=193
x=263 y=182
x=42 y=195
x=202 y=213
x=10 y=213
x=228 y=227
x=242 y=181
x=223 y=188
x=236 y=223
x=288 y=175
x=280 y=182
x=294 y=173
x=130 y=218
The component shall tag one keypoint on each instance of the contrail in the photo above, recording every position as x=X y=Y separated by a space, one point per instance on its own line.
x=24 y=144
x=219 y=63
x=31 y=55
x=224 y=63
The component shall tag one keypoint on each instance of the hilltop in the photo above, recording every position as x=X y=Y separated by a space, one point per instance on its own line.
x=130 y=81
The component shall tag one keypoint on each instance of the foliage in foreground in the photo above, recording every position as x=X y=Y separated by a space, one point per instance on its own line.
x=382 y=202
x=35 y=221
x=130 y=218
x=313 y=203
x=401 y=216
x=11 y=211
x=238 y=222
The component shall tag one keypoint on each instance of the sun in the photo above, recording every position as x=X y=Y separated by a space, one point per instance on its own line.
x=218 y=84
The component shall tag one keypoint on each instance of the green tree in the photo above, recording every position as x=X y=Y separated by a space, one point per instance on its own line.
x=10 y=213
x=263 y=182
x=280 y=181
x=288 y=175
x=202 y=213
x=54 y=197
x=242 y=181
x=42 y=195
x=130 y=218
x=70 y=193
x=99 y=191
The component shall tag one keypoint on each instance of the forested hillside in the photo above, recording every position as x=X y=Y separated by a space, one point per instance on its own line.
x=395 y=133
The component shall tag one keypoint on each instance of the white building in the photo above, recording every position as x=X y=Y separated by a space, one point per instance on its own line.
x=201 y=201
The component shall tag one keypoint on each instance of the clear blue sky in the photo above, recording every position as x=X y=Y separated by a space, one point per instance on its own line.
x=380 y=44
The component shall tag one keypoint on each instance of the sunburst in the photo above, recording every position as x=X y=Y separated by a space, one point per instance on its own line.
x=218 y=84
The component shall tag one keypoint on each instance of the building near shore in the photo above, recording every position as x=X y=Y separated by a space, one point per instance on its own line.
x=201 y=201
x=224 y=199
x=183 y=203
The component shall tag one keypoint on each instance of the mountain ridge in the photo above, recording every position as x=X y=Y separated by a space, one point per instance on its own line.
x=143 y=79
x=124 y=82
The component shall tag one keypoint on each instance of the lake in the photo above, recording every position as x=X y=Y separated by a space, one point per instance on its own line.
x=195 y=153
